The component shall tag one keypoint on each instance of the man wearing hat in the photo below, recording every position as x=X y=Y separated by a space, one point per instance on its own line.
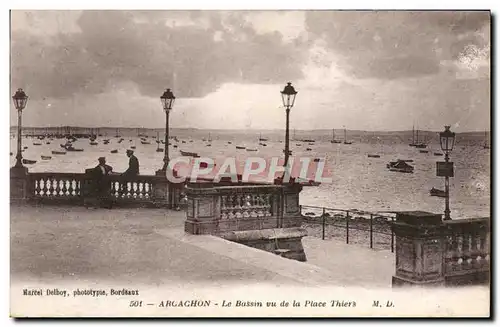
x=102 y=184
x=133 y=165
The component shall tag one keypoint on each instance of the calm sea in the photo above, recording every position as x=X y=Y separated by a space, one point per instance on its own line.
x=359 y=182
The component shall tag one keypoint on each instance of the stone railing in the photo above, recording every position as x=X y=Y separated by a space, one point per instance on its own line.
x=467 y=250
x=74 y=188
x=441 y=253
x=266 y=217
x=217 y=209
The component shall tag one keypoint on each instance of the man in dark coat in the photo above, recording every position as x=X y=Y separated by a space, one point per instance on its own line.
x=131 y=172
x=133 y=165
x=102 y=187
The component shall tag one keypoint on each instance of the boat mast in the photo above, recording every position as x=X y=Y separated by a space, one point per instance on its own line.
x=413 y=135
x=333 y=134
x=345 y=135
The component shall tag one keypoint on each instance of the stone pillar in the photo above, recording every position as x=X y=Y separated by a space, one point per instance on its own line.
x=291 y=207
x=161 y=192
x=203 y=211
x=20 y=188
x=419 y=249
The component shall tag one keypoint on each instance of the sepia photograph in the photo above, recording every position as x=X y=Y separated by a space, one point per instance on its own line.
x=250 y=163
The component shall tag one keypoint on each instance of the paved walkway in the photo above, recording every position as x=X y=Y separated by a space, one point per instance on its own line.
x=149 y=246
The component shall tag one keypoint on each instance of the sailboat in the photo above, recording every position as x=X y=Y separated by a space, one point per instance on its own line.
x=415 y=142
x=333 y=137
x=209 y=140
x=486 y=145
x=158 y=149
x=262 y=139
x=345 y=137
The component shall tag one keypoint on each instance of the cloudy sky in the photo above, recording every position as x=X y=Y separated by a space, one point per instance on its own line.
x=362 y=70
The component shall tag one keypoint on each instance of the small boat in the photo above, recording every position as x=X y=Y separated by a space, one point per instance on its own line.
x=158 y=141
x=209 y=144
x=311 y=143
x=229 y=142
x=114 y=151
x=438 y=154
x=144 y=142
x=94 y=143
x=72 y=149
x=58 y=152
x=175 y=146
x=263 y=144
x=252 y=150
x=28 y=162
x=298 y=144
x=47 y=142
x=46 y=157
x=333 y=140
x=190 y=141
x=373 y=156
x=308 y=149
x=189 y=154
x=240 y=147
x=25 y=147
x=34 y=143
x=262 y=138
x=400 y=166
x=437 y=192
x=308 y=141
x=159 y=150
x=132 y=147
x=423 y=151
x=183 y=141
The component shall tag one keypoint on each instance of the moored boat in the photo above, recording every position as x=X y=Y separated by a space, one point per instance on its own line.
x=438 y=154
x=46 y=157
x=240 y=147
x=114 y=151
x=58 y=152
x=400 y=166
x=437 y=192
x=189 y=154
x=29 y=162
x=373 y=156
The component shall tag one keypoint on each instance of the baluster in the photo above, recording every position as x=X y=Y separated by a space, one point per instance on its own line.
x=42 y=187
x=139 y=190
x=452 y=253
x=37 y=187
x=466 y=249
x=234 y=206
x=49 y=187
x=223 y=203
x=460 y=253
x=64 y=187
x=147 y=189
x=71 y=187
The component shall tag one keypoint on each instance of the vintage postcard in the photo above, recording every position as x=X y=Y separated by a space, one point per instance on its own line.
x=275 y=163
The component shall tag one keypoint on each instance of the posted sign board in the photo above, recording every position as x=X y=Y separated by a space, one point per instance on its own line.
x=444 y=169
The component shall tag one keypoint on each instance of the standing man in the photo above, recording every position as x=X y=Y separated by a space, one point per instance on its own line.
x=102 y=183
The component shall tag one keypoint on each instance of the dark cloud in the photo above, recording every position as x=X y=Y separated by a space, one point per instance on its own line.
x=118 y=46
x=396 y=44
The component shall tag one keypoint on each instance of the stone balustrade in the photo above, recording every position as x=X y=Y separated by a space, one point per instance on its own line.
x=266 y=217
x=73 y=188
x=432 y=252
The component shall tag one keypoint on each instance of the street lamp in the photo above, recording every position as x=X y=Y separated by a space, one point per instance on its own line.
x=20 y=99
x=288 y=95
x=167 y=101
x=447 y=140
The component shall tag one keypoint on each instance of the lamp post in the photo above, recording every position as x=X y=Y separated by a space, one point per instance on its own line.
x=288 y=96
x=447 y=140
x=167 y=101
x=20 y=99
